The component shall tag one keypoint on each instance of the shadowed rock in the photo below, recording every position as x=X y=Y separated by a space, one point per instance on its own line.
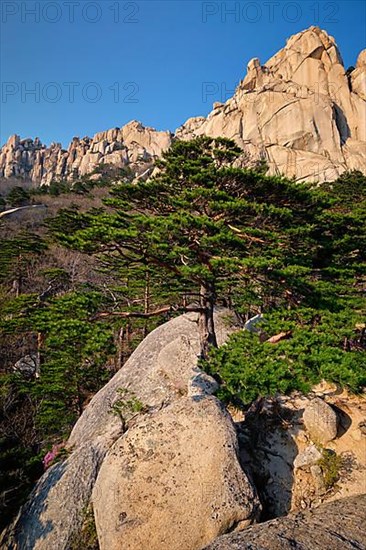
x=339 y=525
x=55 y=508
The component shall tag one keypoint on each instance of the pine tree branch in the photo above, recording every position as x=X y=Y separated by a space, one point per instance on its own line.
x=141 y=315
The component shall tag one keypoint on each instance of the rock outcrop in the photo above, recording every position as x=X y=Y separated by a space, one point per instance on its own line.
x=291 y=468
x=156 y=455
x=162 y=370
x=173 y=481
x=54 y=512
x=302 y=112
x=133 y=145
x=338 y=525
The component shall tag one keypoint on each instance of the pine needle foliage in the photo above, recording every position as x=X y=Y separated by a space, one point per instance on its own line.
x=327 y=326
x=212 y=226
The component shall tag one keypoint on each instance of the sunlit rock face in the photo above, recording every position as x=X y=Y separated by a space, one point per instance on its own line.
x=302 y=112
x=133 y=145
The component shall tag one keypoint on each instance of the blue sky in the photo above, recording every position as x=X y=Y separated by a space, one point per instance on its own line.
x=97 y=65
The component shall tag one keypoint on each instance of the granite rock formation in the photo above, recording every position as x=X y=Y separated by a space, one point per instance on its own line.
x=302 y=112
x=173 y=481
x=162 y=370
x=169 y=469
x=132 y=145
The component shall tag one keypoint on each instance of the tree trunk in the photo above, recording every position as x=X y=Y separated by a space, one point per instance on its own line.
x=17 y=285
x=18 y=282
x=120 y=348
x=146 y=300
x=206 y=323
x=128 y=341
x=40 y=342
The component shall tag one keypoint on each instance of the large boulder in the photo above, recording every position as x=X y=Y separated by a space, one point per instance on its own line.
x=173 y=481
x=338 y=525
x=161 y=370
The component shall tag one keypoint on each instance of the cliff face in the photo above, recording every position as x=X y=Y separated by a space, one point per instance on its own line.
x=132 y=145
x=301 y=112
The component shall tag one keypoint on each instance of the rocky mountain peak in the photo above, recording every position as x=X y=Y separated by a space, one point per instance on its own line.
x=132 y=145
x=304 y=59
x=301 y=111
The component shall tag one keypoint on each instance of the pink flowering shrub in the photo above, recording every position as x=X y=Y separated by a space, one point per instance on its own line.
x=50 y=457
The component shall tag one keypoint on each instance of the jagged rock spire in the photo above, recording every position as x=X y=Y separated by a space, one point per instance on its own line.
x=302 y=111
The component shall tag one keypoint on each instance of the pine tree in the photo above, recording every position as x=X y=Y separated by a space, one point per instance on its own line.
x=323 y=336
x=14 y=255
x=200 y=220
x=18 y=196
